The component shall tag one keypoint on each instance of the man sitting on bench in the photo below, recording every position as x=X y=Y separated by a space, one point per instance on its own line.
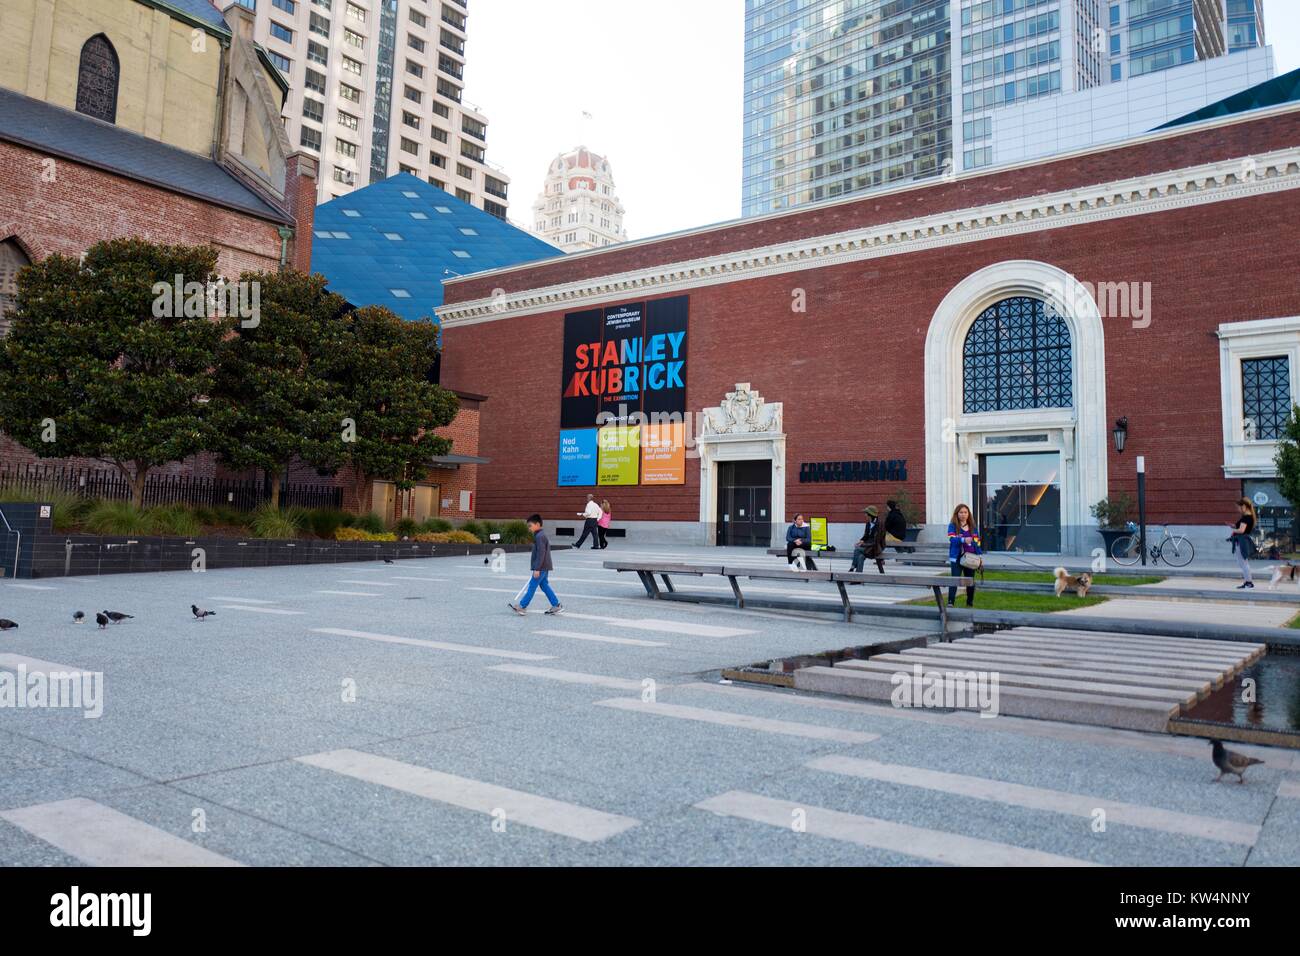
x=872 y=544
x=799 y=536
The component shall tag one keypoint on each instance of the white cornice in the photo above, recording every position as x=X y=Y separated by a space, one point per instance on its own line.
x=1143 y=195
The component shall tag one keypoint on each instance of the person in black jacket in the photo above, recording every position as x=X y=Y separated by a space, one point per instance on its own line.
x=872 y=544
x=542 y=567
x=895 y=521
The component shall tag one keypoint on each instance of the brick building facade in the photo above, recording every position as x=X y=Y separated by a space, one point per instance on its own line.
x=916 y=325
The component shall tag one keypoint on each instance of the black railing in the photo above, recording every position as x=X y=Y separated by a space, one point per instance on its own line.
x=244 y=495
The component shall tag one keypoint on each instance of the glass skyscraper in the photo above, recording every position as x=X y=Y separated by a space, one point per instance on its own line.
x=842 y=96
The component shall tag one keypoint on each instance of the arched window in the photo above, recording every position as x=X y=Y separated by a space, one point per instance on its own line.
x=1017 y=356
x=97 y=78
x=12 y=259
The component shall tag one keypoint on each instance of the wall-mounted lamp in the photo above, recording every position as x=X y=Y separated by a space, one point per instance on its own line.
x=1120 y=435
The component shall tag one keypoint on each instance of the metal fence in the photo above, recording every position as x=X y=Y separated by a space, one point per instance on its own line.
x=160 y=489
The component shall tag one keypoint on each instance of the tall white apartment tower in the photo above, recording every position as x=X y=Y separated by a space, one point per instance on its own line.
x=578 y=208
x=377 y=88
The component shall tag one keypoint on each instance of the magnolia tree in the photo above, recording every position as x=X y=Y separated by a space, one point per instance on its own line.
x=97 y=366
x=128 y=357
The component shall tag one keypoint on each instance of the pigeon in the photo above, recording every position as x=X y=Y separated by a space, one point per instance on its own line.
x=101 y=621
x=1229 y=762
x=6 y=624
x=78 y=617
x=388 y=560
x=117 y=617
x=200 y=613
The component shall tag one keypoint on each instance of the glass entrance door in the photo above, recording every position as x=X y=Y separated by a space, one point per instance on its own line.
x=1020 y=502
x=744 y=503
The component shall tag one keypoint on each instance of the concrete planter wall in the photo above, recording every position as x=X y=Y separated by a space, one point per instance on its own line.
x=59 y=555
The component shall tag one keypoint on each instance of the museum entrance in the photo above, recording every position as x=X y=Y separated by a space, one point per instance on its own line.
x=744 y=516
x=1020 y=502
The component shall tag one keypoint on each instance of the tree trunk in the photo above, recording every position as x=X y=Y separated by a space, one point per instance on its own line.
x=277 y=482
x=137 y=484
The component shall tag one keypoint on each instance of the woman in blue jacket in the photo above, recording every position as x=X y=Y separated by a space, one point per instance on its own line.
x=963 y=538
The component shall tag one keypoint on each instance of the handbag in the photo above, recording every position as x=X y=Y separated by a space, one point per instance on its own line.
x=971 y=560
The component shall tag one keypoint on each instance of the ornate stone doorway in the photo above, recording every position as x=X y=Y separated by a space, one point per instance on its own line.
x=744 y=427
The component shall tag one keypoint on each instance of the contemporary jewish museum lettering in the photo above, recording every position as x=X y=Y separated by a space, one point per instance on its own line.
x=624 y=365
x=892 y=469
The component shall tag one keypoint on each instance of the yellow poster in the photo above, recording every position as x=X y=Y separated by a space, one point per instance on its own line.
x=620 y=454
x=819 y=539
x=663 y=454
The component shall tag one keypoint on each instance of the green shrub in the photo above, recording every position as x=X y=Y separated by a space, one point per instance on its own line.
x=174 y=519
x=407 y=527
x=447 y=537
x=370 y=522
x=516 y=532
x=220 y=516
x=117 y=518
x=436 y=526
x=357 y=534
x=323 y=522
x=271 y=522
x=475 y=528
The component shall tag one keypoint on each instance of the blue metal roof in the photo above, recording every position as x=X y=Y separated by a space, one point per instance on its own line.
x=394 y=242
x=201 y=10
x=1275 y=92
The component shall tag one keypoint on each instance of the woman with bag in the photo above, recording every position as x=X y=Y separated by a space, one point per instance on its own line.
x=1243 y=544
x=965 y=555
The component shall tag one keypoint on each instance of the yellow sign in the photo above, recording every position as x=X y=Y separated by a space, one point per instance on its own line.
x=819 y=539
x=620 y=454
x=663 y=454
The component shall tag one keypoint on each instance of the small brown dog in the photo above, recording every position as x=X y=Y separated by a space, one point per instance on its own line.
x=1079 y=583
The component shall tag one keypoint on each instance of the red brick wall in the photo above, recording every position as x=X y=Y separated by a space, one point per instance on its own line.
x=83 y=206
x=849 y=371
x=301 y=171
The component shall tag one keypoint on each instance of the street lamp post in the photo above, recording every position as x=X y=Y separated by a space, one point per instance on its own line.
x=1142 y=507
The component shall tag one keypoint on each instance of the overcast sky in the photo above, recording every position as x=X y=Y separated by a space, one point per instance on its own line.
x=662 y=80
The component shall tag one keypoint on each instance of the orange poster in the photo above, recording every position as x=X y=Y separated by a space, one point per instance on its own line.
x=663 y=454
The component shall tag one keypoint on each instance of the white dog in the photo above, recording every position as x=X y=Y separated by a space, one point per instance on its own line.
x=1284 y=572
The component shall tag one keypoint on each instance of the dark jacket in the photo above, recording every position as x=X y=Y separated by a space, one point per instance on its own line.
x=542 y=552
x=873 y=538
x=896 y=524
x=804 y=533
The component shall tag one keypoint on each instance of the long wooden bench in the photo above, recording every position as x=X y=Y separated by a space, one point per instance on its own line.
x=648 y=571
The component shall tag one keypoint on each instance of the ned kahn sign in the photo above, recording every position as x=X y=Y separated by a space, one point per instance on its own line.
x=892 y=469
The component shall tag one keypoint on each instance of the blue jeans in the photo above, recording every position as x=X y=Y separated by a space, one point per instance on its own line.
x=539 y=582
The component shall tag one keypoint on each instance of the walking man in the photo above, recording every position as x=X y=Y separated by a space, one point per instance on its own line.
x=590 y=524
x=542 y=567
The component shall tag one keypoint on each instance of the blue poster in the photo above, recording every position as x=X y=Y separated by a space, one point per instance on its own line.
x=578 y=457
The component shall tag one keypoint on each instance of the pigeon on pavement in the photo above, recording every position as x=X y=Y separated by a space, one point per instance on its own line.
x=388 y=560
x=117 y=617
x=101 y=621
x=1230 y=762
x=200 y=613
x=78 y=617
x=6 y=624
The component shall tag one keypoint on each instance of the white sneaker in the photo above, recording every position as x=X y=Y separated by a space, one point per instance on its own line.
x=517 y=609
x=558 y=609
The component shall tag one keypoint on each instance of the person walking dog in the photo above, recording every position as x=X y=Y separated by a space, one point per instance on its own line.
x=1243 y=542
x=606 y=516
x=964 y=551
x=542 y=567
x=590 y=515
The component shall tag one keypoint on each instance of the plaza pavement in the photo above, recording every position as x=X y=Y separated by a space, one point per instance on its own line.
x=479 y=737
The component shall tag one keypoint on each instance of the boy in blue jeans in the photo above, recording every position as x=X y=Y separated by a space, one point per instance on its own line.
x=542 y=567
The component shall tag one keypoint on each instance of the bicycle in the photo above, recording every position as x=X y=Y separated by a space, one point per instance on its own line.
x=1174 y=549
